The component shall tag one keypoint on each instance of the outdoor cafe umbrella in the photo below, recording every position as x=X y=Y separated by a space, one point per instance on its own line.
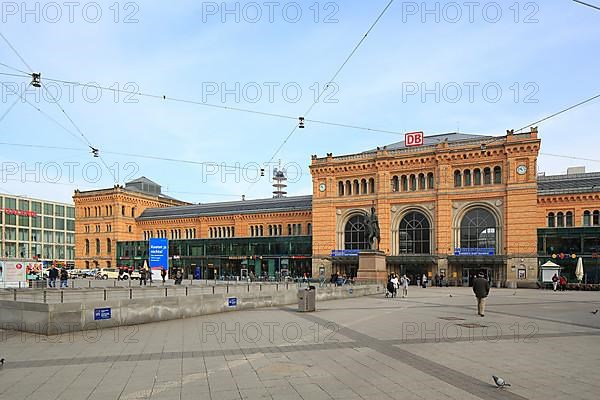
x=579 y=270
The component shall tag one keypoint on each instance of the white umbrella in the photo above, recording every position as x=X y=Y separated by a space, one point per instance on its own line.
x=579 y=270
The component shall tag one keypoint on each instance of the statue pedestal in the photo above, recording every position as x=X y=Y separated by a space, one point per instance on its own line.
x=372 y=267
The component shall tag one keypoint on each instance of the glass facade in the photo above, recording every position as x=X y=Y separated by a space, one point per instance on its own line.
x=261 y=258
x=32 y=229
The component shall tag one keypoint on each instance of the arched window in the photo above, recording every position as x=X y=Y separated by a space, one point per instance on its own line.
x=477 y=177
x=560 y=220
x=457 y=179
x=233 y=231
x=569 y=219
x=587 y=218
x=371 y=185
x=261 y=230
x=404 y=182
x=355 y=236
x=270 y=230
x=467 y=177
x=348 y=188
x=596 y=218
x=415 y=234
x=413 y=183
x=430 y=181
x=487 y=176
x=123 y=210
x=478 y=230
x=363 y=186
x=395 y=184
x=132 y=212
x=422 y=182
x=251 y=231
x=497 y=175
x=279 y=230
x=87 y=247
x=97 y=246
x=309 y=229
x=340 y=188
x=108 y=246
x=551 y=220
x=356 y=187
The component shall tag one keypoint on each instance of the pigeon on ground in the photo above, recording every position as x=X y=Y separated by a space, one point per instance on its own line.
x=1 y=362
x=594 y=312
x=515 y=293
x=451 y=296
x=501 y=383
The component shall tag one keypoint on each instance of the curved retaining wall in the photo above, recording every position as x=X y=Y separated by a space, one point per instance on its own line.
x=52 y=319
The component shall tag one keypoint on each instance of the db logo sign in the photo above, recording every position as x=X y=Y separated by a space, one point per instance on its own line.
x=414 y=139
x=19 y=266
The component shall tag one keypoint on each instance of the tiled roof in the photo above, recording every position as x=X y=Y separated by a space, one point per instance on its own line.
x=566 y=184
x=298 y=203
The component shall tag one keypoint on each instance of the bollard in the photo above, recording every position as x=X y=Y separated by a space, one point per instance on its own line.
x=130 y=283
x=213 y=290
x=287 y=286
x=248 y=288
x=130 y=294
x=228 y=288
x=166 y=291
x=15 y=292
x=114 y=283
x=277 y=287
x=44 y=297
x=260 y=287
x=19 y=284
x=62 y=296
x=104 y=294
x=89 y=284
x=186 y=290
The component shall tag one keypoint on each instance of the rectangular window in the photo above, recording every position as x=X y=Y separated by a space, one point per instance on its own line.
x=36 y=206
x=48 y=209
x=10 y=233
x=11 y=203
x=23 y=250
x=36 y=250
x=70 y=255
x=48 y=251
x=48 y=223
x=23 y=235
x=23 y=220
x=48 y=237
x=24 y=205
x=10 y=219
x=60 y=224
x=36 y=236
x=60 y=237
x=59 y=211
x=10 y=249
x=70 y=238
x=70 y=212
x=36 y=222
x=60 y=252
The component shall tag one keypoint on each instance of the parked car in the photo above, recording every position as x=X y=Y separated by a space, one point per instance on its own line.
x=106 y=273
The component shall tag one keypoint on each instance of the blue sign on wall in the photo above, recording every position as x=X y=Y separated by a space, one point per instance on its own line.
x=232 y=302
x=159 y=253
x=102 y=313
x=474 y=252
x=344 y=253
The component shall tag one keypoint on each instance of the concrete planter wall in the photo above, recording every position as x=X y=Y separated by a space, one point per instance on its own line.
x=52 y=319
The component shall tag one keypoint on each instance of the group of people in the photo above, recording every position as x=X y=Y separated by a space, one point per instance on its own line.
x=439 y=280
x=559 y=283
x=395 y=283
x=55 y=274
x=340 y=279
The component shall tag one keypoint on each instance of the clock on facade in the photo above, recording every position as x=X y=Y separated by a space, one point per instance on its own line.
x=322 y=187
x=521 y=170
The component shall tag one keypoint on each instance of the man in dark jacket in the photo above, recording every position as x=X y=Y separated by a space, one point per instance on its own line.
x=481 y=288
x=52 y=275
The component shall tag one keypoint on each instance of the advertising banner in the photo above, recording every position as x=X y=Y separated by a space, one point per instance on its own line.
x=159 y=255
x=13 y=274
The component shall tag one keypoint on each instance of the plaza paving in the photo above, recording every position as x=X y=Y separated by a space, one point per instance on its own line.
x=428 y=346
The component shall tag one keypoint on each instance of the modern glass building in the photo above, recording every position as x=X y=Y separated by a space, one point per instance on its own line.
x=268 y=257
x=37 y=229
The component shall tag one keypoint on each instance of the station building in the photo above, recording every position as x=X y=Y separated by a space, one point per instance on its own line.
x=454 y=206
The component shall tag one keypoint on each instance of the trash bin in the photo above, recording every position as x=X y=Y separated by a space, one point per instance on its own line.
x=307 y=297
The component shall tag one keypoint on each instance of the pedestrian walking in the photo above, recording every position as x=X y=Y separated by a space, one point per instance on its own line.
x=404 y=282
x=143 y=276
x=163 y=274
x=555 y=282
x=424 y=281
x=149 y=274
x=52 y=276
x=481 y=288
x=563 y=283
x=178 y=276
x=395 y=284
x=64 y=277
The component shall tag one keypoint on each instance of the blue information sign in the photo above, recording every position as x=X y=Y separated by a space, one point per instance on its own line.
x=102 y=313
x=474 y=252
x=232 y=302
x=344 y=253
x=159 y=253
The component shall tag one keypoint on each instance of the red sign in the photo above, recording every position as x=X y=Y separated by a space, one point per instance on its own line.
x=414 y=139
x=22 y=213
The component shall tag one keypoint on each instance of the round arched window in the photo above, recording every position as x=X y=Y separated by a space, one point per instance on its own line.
x=355 y=234
x=415 y=234
x=478 y=230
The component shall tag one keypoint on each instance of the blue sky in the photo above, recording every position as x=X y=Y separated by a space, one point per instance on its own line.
x=543 y=58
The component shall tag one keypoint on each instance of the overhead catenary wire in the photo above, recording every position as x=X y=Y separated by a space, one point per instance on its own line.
x=16 y=52
x=587 y=4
